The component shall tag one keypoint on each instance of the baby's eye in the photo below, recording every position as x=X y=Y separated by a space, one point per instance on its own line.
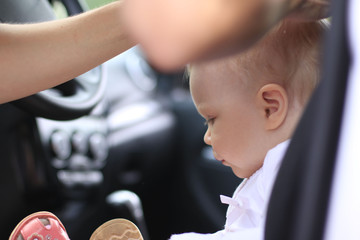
x=209 y=121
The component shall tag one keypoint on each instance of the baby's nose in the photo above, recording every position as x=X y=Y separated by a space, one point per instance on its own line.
x=207 y=137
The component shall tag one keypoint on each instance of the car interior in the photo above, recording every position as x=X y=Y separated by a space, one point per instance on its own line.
x=125 y=141
x=120 y=141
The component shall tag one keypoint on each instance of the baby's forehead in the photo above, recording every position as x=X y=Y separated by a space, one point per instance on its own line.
x=217 y=78
x=221 y=65
x=229 y=70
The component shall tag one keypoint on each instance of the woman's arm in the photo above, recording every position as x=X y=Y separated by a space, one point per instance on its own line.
x=38 y=56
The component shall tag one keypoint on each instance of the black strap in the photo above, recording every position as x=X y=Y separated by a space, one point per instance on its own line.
x=299 y=201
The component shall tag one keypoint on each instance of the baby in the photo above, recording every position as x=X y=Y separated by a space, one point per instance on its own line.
x=252 y=102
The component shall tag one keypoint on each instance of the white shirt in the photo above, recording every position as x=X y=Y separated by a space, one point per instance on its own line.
x=245 y=217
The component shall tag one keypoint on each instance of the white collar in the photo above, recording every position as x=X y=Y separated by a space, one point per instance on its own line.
x=250 y=199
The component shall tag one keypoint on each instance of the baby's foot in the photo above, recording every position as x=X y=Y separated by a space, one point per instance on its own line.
x=117 y=229
x=40 y=226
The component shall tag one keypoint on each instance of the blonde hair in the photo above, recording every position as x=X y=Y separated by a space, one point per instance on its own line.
x=288 y=55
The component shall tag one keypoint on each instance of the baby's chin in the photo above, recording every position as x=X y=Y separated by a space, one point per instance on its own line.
x=236 y=171
x=241 y=173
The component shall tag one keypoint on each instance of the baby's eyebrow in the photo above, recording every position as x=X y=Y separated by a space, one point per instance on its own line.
x=202 y=113
x=203 y=107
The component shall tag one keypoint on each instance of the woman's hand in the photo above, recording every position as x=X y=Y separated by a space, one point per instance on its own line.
x=174 y=33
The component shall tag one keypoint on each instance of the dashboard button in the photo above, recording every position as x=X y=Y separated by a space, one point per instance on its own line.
x=60 y=145
x=98 y=147
x=79 y=142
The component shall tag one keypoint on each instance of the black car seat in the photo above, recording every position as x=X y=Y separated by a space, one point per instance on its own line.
x=299 y=203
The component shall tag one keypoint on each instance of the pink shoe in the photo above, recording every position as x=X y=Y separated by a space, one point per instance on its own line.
x=31 y=228
x=117 y=229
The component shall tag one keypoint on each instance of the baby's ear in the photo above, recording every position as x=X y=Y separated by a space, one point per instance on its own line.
x=272 y=100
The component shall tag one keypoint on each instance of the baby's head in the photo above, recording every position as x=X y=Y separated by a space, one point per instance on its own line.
x=252 y=101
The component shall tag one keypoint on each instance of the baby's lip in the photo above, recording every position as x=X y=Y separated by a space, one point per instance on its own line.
x=217 y=157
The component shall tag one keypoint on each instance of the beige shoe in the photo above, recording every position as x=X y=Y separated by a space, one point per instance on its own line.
x=117 y=229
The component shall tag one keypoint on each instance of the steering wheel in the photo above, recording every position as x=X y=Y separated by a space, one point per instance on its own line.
x=67 y=101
